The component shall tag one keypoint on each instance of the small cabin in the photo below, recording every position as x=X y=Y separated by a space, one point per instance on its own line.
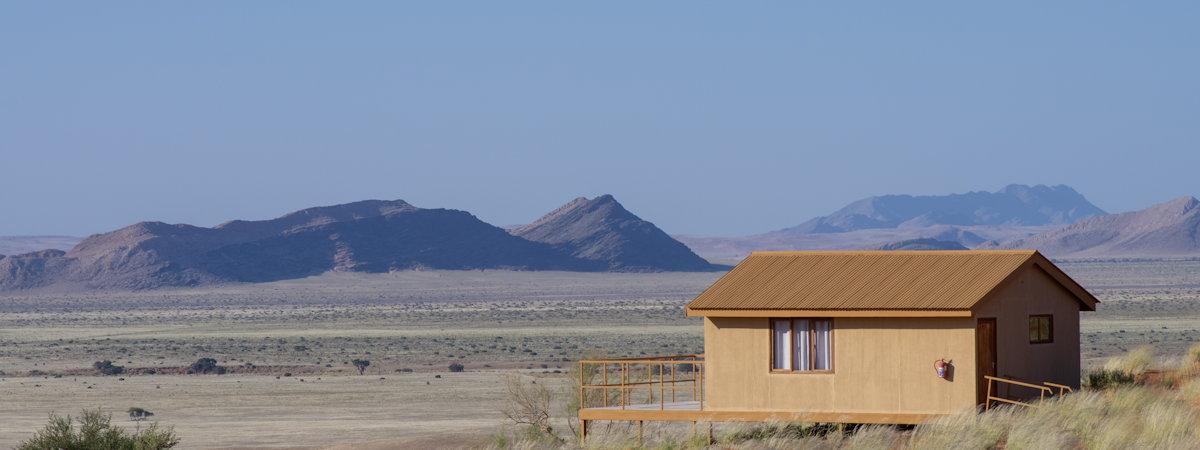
x=872 y=337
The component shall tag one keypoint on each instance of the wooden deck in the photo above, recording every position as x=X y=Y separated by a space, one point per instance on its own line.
x=671 y=389
x=691 y=411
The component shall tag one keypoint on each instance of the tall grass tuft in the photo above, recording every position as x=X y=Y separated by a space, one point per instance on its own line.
x=1136 y=362
x=1192 y=357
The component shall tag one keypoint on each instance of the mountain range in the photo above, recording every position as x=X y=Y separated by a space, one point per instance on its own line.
x=969 y=219
x=596 y=234
x=1166 y=229
x=1055 y=220
x=366 y=236
x=1014 y=205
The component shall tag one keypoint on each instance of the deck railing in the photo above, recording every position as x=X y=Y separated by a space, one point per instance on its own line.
x=662 y=381
x=1046 y=389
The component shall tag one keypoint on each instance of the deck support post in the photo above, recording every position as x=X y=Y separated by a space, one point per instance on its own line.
x=583 y=429
x=640 y=430
x=710 y=434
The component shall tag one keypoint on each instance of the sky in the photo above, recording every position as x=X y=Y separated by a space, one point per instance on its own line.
x=708 y=118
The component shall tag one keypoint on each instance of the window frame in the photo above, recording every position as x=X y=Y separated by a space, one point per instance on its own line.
x=1049 y=326
x=812 y=335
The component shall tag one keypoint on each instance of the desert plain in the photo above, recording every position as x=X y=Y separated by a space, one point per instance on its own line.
x=288 y=347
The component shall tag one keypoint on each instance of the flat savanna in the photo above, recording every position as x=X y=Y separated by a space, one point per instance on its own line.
x=288 y=347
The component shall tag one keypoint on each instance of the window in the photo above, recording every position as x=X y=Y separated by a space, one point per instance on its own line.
x=801 y=345
x=1041 y=329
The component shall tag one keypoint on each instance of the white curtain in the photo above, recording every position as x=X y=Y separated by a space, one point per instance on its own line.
x=780 y=340
x=800 y=344
x=821 y=345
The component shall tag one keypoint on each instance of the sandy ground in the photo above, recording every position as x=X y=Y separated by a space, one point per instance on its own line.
x=397 y=411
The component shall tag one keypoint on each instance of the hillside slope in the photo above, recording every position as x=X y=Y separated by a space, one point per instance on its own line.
x=602 y=230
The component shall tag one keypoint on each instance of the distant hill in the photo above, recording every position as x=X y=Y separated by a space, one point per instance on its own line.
x=366 y=236
x=1166 y=229
x=602 y=230
x=1015 y=205
x=922 y=244
x=15 y=245
x=370 y=236
x=969 y=219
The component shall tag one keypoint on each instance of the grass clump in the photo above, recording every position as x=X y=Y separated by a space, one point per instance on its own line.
x=1134 y=363
x=1192 y=357
x=1106 y=379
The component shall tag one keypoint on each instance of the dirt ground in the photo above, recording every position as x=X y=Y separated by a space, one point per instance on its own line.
x=411 y=326
x=261 y=411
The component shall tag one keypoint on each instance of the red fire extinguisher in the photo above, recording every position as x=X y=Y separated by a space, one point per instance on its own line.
x=940 y=367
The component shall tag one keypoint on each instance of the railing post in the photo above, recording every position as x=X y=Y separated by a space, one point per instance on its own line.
x=673 y=366
x=662 y=398
x=649 y=384
x=987 y=401
x=624 y=396
x=605 y=378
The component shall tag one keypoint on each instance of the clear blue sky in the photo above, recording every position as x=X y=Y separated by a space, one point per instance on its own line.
x=714 y=118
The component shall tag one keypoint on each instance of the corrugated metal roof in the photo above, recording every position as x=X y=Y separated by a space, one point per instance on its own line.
x=875 y=280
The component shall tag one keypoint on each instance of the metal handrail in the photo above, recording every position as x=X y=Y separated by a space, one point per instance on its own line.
x=698 y=357
x=1062 y=389
x=632 y=374
x=1042 y=391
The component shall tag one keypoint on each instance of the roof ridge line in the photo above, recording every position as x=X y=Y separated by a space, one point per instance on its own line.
x=920 y=252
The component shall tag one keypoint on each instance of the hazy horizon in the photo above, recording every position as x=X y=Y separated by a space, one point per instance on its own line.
x=704 y=119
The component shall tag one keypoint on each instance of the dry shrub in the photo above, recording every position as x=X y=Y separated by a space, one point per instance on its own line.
x=528 y=404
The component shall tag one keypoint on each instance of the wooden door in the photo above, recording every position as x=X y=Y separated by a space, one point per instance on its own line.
x=985 y=356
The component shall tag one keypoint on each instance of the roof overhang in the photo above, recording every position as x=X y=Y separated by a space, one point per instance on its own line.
x=828 y=312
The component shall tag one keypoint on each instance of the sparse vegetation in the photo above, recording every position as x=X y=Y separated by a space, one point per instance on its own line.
x=95 y=431
x=455 y=367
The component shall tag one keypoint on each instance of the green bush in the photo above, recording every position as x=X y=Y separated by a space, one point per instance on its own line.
x=1107 y=379
x=96 y=432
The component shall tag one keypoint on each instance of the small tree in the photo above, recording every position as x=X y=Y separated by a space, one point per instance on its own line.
x=456 y=367
x=361 y=364
x=206 y=366
x=137 y=414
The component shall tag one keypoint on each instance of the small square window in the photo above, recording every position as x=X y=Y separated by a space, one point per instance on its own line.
x=1041 y=329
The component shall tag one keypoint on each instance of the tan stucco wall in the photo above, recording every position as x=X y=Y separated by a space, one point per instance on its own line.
x=1034 y=292
x=880 y=365
x=886 y=364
